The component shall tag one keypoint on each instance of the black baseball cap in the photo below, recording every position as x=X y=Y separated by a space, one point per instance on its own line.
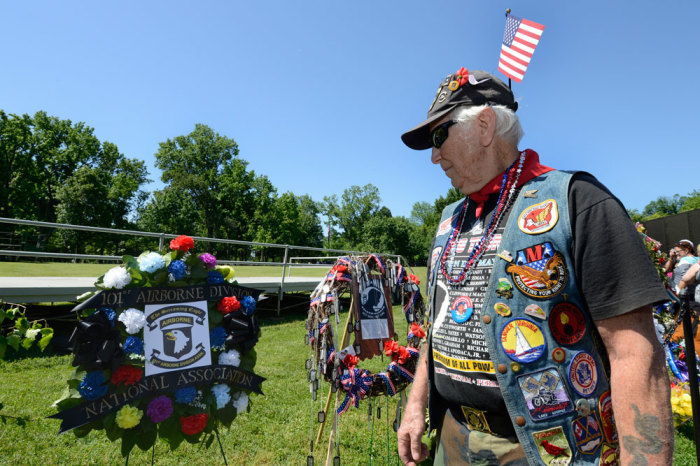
x=463 y=88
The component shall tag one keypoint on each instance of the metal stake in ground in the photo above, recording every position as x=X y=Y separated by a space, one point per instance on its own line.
x=691 y=361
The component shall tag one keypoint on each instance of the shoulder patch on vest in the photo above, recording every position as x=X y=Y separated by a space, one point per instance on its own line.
x=545 y=394
x=583 y=373
x=539 y=218
x=522 y=340
x=539 y=271
x=553 y=446
x=567 y=323
x=587 y=433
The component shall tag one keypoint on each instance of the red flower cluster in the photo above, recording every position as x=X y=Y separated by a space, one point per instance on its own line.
x=192 y=425
x=228 y=304
x=338 y=269
x=182 y=243
x=129 y=375
x=396 y=352
x=351 y=360
x=462 y=76
x=417 y=331
x=414 y=279
x=662 y=261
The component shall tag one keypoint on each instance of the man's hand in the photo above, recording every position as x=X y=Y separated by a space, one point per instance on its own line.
x=411 y=449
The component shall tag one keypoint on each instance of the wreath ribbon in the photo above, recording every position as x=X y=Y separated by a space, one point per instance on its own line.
x=356 y=384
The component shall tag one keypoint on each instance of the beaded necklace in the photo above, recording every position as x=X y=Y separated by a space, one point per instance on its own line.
x=509 y=184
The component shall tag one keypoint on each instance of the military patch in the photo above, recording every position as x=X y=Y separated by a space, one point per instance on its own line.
x=567 y=323
x=462 y=309
x=587 y=433
x=504 y=288
x=545 y=394
x=538 y=271
x=609 y=455
x=533 y=310
x=501 y=309
x=559 y=355
x=434 y=258
x=476 y=419
x=445 y=226
x=522 y=340
x=539 y=218
x=606 y=417
x=553 y=446
x=585 y=406
x=583 y=373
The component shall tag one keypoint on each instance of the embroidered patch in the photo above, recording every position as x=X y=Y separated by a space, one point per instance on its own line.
x=539 y=218
x=462 y=309
x=583 y=373
x=545 y=394
x=553 y=446
x=445 y=226
x=559 y=355
x=538 y=271
x=504 y=288
x=501 y=309
x=585 y=406
x=522 y=340
x=567 y=323
x=476 y=419
x=606 y=417
x=434 y=258
x=587 y=433
x=533 y=310
x=609 y=455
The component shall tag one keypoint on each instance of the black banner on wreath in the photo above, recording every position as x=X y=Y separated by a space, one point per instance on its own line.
x=154 y=384
x=135 y=297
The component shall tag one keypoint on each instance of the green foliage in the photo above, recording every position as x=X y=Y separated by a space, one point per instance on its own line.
x=19 y=332
x=692 y=201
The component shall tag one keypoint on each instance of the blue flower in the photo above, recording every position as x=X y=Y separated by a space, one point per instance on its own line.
x=177 y=268
x=151 y=262
x=133 y=345
x=185 y=395
x=249 y=304
x=110 y=313
x=217 y=336
x=93 y=386
x=214 y=277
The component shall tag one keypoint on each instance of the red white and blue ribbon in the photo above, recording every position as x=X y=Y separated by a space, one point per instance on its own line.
x=379 y=262
x=405 y=373
x=400 y=272
x=356 y=384
x=330 y=355
x=390 y=388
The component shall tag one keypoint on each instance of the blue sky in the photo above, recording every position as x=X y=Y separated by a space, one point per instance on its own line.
x=317 y=93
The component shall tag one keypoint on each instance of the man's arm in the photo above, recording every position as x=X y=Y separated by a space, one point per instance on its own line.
x=411 y=449
x=640 y=388
x=689 y=276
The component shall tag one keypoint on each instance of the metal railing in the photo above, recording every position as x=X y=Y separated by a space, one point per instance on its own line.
x=286 y=263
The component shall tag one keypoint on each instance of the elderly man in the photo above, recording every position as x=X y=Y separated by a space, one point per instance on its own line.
x=558 y=289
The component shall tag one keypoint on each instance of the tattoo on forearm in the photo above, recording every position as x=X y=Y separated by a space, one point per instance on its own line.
x=649 y=427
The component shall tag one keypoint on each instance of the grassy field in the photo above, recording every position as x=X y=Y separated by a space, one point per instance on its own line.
x=276 y=431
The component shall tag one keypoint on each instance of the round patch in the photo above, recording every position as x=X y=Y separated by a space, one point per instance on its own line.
x=453 y=86
x=539 y=217
x=538 y=271
x=515 y=367
x=522 y=340
x=558 y=355
x=533 y=310
x=502 y=309
x=462 y=309
x=567 y=323
x=583 y=373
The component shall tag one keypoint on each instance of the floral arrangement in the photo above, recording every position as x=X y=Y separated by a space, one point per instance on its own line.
x=341 y=367
x=681 y=403
x=658 y=257
x=108 y=347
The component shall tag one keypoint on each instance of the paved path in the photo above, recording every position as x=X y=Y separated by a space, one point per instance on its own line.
x=57 y=289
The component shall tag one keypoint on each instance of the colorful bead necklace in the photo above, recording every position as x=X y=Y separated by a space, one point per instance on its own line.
x=509 y=184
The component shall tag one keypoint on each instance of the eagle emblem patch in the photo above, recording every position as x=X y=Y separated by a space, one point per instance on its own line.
x=539 y=218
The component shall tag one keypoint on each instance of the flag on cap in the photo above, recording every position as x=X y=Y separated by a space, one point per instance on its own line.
x=519 y=41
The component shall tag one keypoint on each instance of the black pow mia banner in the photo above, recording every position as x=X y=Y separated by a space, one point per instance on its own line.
x=155 y=384
x=137 y=297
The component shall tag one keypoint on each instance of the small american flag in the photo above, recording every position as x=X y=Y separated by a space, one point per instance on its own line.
x=519 y=41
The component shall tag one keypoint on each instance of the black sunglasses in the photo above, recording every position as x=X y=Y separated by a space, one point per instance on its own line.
x=440 y=133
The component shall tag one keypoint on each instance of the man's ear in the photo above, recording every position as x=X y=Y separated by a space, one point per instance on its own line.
x=486 y=121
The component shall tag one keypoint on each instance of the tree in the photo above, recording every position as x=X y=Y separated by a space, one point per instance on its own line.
x=663 y=206
x=692 y=201
x=390 y=235
x=358 y=205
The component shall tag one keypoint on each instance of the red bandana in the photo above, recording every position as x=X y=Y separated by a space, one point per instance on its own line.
x=531 y=169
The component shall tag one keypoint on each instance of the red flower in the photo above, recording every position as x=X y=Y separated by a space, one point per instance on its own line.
x=351 y=360
x=192 y=425
x=228 y=304
x=182 y=243
x=391 y=347
x=417 y=331
x=403 y=355
x=462 y=76
x=662 y=261
x=414 y=279
x=127 y=374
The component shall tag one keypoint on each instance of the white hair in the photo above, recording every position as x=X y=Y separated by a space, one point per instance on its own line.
x=507 y=122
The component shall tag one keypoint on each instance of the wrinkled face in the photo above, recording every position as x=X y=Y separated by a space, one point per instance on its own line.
x=461 y=157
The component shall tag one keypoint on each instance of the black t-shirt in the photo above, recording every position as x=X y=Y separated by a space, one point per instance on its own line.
x=613 y=270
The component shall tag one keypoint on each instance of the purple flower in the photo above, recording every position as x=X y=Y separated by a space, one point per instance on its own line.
x=208 y=259
x=159 y=409
x=93 y=386
x=177 y=268
x=214 y=277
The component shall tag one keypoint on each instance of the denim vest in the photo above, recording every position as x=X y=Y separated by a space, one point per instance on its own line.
x=549 y=360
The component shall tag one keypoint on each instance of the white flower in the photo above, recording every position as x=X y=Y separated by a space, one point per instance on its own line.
x=151 y=262
x=221 y=393
x=116 y=277
x=133 y=320
x=240 y=401
x=230 y=358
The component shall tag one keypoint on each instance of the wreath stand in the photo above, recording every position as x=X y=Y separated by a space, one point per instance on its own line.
x=153 y=450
